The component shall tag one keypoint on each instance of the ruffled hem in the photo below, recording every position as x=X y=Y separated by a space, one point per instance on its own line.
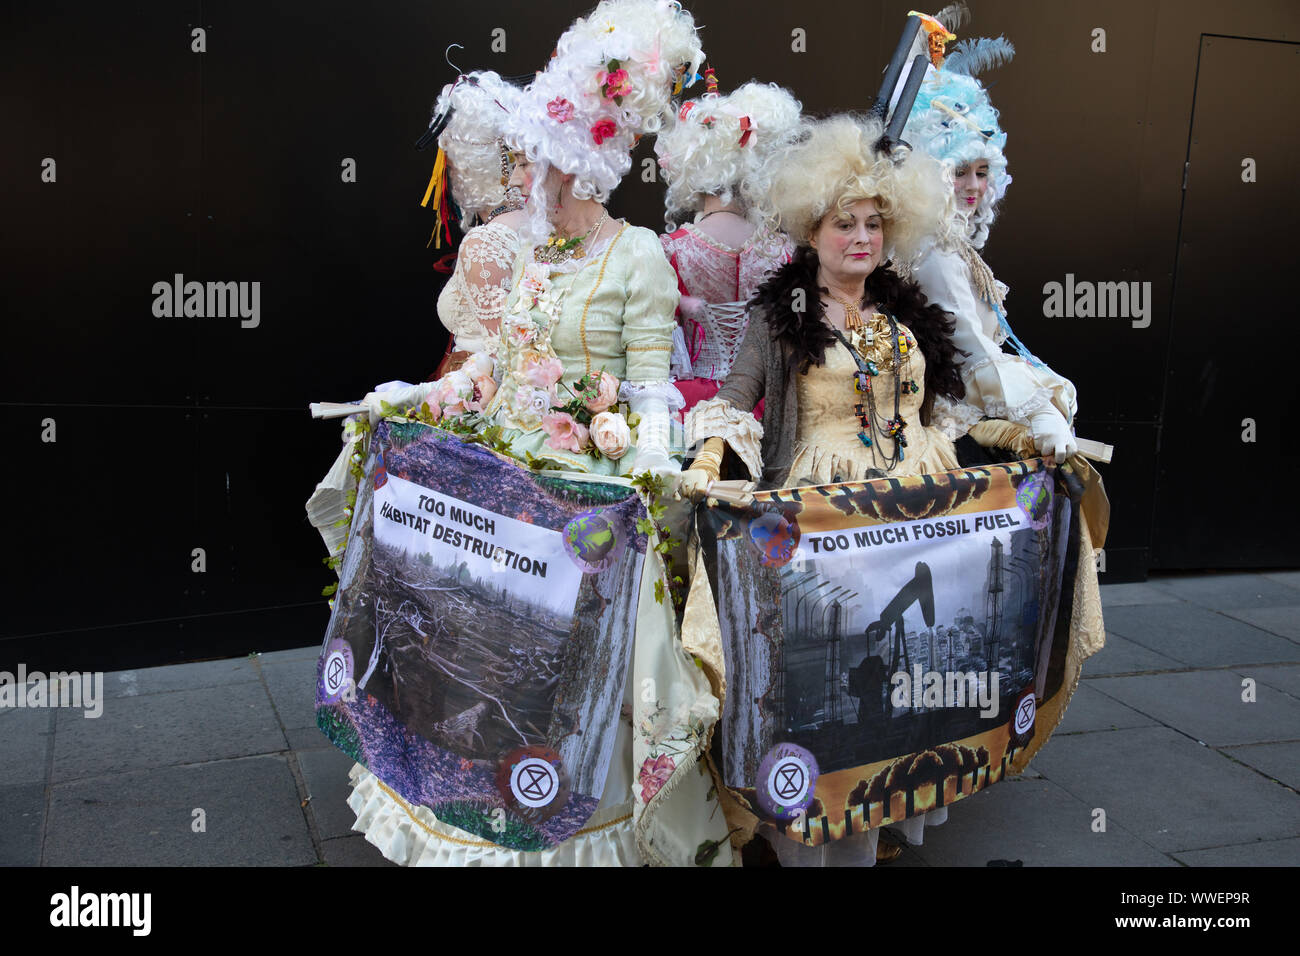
x=717 y=418
x=815 y=464
x=413 y=836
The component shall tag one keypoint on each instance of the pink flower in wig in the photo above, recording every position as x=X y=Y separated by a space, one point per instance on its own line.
x=654 y=774
x=564 y=431
x=542 y=372
x=615 y=83
x=560 y=109
x=603 y=131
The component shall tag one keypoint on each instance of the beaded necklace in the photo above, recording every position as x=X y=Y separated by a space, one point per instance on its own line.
x=865 y=410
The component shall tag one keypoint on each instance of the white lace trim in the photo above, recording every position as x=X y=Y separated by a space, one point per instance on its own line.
x=636 y=392
x=1037 y=399
x=413 y=836
x=679 y=363
x=716 y=418
x=954 y=419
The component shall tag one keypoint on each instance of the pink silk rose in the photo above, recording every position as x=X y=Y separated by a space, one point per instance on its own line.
x=603 y=131
x=564 y=431
x=606 y=393
x=654 y=774
x=560 y=109
x=484 y=388
x=454 y=391
x=542 y=372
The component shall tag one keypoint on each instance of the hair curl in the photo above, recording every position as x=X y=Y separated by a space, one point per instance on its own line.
x=700 y=151
x=652 y=40
x=808 y=335
x=479 y=103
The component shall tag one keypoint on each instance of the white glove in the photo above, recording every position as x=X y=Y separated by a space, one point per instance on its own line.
x=1052 y=435
x=653 y=434
x=397 y=395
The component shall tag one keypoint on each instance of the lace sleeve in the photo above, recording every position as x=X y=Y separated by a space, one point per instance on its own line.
x=485 y=264
x=954 y=419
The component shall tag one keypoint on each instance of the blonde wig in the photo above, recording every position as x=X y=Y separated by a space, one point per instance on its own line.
x=833 y=164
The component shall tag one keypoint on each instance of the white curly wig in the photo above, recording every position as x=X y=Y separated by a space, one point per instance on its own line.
x=954 y=121
x=569 y=105
x=479 y=103
x=701 y=153
x=833 y=164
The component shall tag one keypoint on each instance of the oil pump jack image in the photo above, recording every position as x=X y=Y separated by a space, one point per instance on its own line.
x=867 y=679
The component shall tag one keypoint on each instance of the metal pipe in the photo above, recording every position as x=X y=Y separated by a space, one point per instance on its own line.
x=881 y=106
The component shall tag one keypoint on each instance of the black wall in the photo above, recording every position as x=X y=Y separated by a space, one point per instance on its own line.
x=174 y=434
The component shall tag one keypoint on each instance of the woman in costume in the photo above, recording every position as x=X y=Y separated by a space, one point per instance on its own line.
x=953 y=121
x=477 y=163
x=848 y=356
x=590 y=315
x=709 y=157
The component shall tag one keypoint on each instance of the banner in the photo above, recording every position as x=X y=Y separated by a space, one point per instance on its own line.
x=477 y=655
x=887 y=643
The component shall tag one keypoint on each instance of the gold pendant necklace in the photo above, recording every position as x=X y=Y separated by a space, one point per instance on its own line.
x=557 y=250
x=852 y=314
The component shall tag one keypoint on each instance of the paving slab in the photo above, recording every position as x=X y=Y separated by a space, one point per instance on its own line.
x=158 y=730
x=1208 y=705
x=160 y=680
x=1282 y=621
x=1285 y=677
x=1122 y=656
x=1289 y=578
x=353 y=851
x=1227 y=591
x=25 y=737
x=1198 y=637
x=326 y=774
x=293 y=688
x=308 y=738
x=1121 y=595
x=1259 y=853
x=22 y=808
x=1281 y=761
x=1168 y=791
x=1090 y=710
x=1036 y=822
x=295 y=654
x=252 y=817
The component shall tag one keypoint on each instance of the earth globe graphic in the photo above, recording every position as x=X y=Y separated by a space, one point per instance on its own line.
x=1034 y=496
x=591 y=539
x=776 y=538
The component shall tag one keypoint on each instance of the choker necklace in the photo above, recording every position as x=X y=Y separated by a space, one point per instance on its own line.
x=865 y=410
x=852 y=313
x=557 y=249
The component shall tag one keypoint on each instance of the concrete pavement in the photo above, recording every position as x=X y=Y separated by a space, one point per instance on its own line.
x=220 y=763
